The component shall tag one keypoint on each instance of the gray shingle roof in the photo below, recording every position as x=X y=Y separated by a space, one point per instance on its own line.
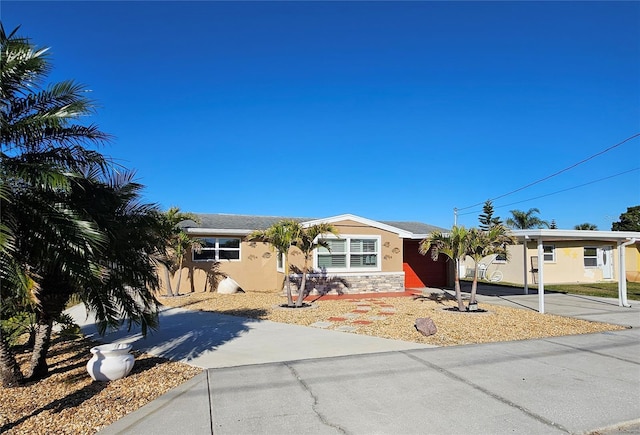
x=223 y=221
x=237 y=221
x=414 y=227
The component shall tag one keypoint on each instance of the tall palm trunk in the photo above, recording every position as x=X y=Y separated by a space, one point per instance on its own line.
x=303 y=283
x=287 y=281
x=456 y=283
x=167 y=280
x=10 y=374
x=474 y=286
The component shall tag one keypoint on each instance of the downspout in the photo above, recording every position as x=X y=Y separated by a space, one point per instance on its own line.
x=622 y=274
x=540 y=276
x=526 y=272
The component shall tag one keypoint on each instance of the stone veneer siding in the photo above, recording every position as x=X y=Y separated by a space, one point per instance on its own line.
x=351 y=284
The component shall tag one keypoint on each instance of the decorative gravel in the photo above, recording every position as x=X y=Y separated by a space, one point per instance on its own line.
x=396 y=316
x=69 y=402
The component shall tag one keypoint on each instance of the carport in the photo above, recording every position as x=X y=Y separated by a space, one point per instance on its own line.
x=621 y=238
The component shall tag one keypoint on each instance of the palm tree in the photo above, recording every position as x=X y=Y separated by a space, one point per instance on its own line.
x=178 y=244
x=111 y=266
x=40 y=145
x=308 y=240
x=455 y=246
x=586 y=226
x=524 y=220
x=485 y=243
x=281 y=236
x=72 y=224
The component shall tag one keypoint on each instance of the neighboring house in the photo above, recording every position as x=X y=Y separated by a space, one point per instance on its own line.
x=568 y=256
x=367 y=256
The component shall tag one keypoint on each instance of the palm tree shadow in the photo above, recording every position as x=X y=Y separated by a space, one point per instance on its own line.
x=70 y=401
x=182 y=335
x=438 y=297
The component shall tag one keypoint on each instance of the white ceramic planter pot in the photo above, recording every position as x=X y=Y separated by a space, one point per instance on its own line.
x=110 y=362
x=228 y=286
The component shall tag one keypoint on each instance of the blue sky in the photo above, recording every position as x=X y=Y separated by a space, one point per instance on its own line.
x=388 y=110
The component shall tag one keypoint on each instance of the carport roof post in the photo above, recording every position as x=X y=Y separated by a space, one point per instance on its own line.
x=621 y=238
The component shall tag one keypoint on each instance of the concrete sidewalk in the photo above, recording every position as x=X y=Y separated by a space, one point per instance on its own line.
x=575 y=384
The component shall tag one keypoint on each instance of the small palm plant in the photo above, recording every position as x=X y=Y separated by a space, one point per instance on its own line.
x=309 y=239
x=455 y=246
x=281 y=236
x=493 y=241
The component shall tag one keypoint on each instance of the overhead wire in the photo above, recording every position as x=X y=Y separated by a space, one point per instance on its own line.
x=553 y=193
x=554 y=174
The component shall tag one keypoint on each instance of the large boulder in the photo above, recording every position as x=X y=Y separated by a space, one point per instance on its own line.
x=425 y=326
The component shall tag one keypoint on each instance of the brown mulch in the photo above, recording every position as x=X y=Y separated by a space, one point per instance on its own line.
x=69 y=402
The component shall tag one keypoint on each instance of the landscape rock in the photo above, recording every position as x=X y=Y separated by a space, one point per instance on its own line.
x=425 y=326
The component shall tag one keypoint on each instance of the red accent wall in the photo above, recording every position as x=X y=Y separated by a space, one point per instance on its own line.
x=421 y=270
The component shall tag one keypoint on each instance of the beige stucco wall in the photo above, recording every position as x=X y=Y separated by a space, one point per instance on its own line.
x=257 y=270
x=632 y=262
x=568 y=266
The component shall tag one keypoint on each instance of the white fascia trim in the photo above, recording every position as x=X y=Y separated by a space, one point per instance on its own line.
x=547 y=234
x=333 y=219
x=217 y=232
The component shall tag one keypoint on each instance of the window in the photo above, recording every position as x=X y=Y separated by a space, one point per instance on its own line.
x=280 y=263
x=549 y=253
x=218 y=248
x=590 y=256
x=349 y=253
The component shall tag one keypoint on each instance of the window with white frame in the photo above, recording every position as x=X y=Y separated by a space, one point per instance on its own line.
x=549 y=253
x=350 y=253
x=217 y=248
x=590 y=256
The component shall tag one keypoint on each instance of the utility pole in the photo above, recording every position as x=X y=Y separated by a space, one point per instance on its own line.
x=455 y=216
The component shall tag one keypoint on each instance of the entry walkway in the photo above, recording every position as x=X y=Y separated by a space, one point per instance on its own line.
x=575 y=384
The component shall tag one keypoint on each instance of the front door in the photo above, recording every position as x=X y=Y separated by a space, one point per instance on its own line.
x=606 y=262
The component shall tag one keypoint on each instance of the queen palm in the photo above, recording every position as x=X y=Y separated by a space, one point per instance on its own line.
x=309 y=239
x=524 y=220
x=454 y=245
x=281 y=236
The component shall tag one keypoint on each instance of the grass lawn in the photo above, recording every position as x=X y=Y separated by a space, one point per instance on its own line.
x=602 y=289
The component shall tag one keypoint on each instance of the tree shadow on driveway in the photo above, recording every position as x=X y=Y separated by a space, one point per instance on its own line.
x=183 y=335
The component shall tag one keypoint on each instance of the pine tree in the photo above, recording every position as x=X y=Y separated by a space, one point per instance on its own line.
x=487 y=221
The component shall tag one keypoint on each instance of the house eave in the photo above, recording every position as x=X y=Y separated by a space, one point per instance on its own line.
x=549 y=235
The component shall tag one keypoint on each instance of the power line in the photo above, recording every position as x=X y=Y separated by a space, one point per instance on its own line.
x=555 y=193
x=555 y=174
